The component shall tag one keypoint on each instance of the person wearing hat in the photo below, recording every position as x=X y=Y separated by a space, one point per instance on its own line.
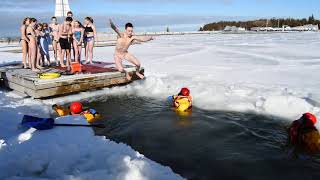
x=183 y=101
x=303 y=136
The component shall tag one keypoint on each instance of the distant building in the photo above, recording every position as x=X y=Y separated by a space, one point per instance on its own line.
x=262 y=29
x=308 y=27
x=234 y=29
x=255 y=29
x=286 y=28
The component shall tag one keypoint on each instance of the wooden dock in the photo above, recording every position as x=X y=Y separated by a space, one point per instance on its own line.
x=96 y=76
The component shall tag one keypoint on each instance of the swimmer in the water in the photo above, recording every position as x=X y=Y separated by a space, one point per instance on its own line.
x=303 y=136
x=183 y=94
x=124 y=41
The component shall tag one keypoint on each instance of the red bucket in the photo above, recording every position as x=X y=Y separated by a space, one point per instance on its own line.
x=76 y=67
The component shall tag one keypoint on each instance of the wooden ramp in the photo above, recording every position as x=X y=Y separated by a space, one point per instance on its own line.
x=95 y=76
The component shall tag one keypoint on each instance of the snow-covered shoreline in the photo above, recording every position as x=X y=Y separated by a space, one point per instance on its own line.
x=64 y=152
x=272 y=74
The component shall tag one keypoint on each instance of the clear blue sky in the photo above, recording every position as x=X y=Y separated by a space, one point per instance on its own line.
x=147 y=13
x=243 y=8
x=251 y=8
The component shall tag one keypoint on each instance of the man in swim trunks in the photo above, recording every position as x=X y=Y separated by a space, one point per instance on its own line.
x=124 y=41
x=70 y=14
x=65 y=33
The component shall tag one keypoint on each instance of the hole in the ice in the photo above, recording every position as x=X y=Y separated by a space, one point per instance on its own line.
x=205 y=144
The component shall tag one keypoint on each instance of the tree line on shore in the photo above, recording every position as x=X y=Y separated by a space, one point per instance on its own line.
x=274 y=22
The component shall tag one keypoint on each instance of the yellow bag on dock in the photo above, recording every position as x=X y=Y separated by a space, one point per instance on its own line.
x=49 y=75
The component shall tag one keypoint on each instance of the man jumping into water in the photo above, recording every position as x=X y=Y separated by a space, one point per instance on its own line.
x=123 y=43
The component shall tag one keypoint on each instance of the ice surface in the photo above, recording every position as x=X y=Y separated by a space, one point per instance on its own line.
x=273 y=74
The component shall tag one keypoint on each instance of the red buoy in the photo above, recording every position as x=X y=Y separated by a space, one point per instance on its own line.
x=76 y=108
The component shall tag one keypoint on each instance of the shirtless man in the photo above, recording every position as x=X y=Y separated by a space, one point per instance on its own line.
x=70 y=14
x=65 y=33
x=54 y=28
x=123 y=43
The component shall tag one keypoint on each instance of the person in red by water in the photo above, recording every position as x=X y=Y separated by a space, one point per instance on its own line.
x=184 y=93
x=303 y=136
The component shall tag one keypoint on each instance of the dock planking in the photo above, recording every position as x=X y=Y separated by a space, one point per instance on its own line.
x=99 y=75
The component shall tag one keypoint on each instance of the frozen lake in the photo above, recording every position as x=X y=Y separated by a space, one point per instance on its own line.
x=274 y=76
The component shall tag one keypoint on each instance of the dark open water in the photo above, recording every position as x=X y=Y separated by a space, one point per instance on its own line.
x=206 y=144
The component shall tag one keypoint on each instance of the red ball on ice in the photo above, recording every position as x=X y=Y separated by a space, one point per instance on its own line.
x=76 y=108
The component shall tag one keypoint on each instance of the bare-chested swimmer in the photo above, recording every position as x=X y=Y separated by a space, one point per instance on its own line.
x=124 y=41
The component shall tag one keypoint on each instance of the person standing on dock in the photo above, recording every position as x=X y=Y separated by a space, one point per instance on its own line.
x=123 y=43
x=24 y=42
x=90 y=36
x=40 y=43
x=31 y=34
x=78 y=32
x=70 y=14
x=43 y=41
x=73 y=53
x=54 y=28
x=65 y=33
